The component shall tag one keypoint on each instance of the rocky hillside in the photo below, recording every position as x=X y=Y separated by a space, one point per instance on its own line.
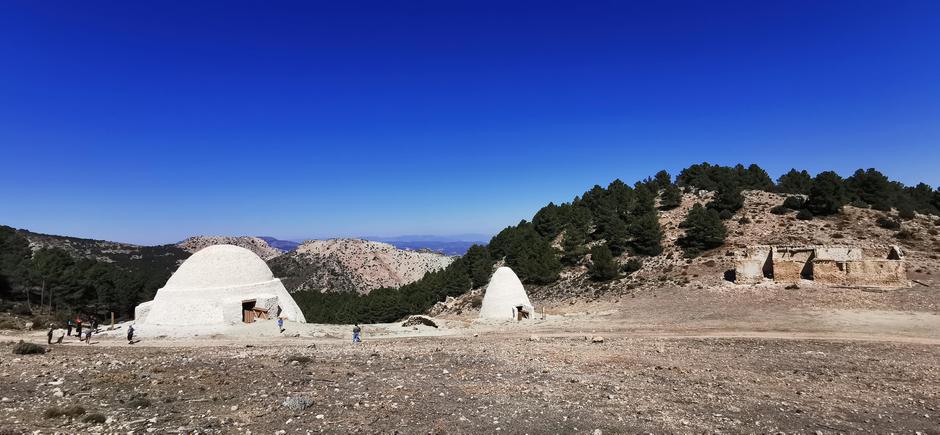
x=124 y=254
x=754 y=224
x=353 y=265
x=253 y=244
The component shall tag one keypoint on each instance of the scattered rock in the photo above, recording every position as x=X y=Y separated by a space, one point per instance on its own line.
x=297 y=404
x=419 y=320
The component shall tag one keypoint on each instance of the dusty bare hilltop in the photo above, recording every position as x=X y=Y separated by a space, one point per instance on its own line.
x=253 y=244
x=353 y=265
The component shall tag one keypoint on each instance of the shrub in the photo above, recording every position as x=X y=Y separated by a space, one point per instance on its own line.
x=476 y=301
x=779 y=210
x=7 y=324
x=24 y=348
x=859 y=203
x=887 y=223
x=632 y=265
x=793 y=202
x=744 y=221
x=838 y=236
x=804 y=215
x=905 y=234
x=724 y=215
x=303 y=359
x=906 y=213
x=95 y=418
x=56 y=412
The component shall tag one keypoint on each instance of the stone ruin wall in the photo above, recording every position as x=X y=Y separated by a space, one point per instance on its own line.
x=830 y=265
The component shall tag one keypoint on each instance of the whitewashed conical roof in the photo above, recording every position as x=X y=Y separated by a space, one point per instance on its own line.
x=210 y=287
x=220 y=266
x=504 y=293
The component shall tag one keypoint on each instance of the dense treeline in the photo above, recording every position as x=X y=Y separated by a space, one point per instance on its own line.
x=603 y=223
x=594 y=230
x=616 y=219
x=52 y=281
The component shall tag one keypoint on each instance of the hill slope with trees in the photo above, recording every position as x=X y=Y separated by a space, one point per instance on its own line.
x=663 y=231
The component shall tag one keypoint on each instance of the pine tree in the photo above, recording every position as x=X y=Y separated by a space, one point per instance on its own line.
x=795 y=182
x=573 y=246
x=647 y=235
x=828 y=194
x=662 y=179
x=603 y=267
x=704 y=230
x=670 y=198
x=548 y=221
x=480 y=265
x=727 y=199
x=872 y=188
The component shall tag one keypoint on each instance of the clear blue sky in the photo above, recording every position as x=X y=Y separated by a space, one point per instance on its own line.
x=148 y=122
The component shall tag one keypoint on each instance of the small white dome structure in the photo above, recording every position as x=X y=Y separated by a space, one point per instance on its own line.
x=220 y=284
x=505 y=297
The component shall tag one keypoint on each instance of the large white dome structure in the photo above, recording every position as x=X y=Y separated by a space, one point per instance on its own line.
x=220 y=284
x=505 y=297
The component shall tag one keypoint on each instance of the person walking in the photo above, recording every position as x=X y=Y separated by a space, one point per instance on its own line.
x=88 y=335
x=94 y=322
x=78 y=327
x=280 y=323
x=356 y=331
x=69 y=326
x=130 y=334
x=51 y=330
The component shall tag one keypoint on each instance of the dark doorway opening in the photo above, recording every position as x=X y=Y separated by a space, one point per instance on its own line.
x=248 y=311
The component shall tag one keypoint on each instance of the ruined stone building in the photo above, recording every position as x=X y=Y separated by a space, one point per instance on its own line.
x=831 y=265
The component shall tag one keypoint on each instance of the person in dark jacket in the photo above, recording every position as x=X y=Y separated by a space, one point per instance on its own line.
x=356 y=331
x=78 y=327
x=51 y=330
x=130 y=334
x=68 y=326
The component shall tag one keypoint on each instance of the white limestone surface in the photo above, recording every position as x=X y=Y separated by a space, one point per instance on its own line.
x=210 y=286
x=503 y=294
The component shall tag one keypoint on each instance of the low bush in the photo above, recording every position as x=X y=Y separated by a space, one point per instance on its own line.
x=24 y=348
x=888 y=223
x=631 y=266
x=905 y=234
x=804 y=215
x=70 y=411
x=95 y=418
x=744 y=221
x=303 y=359
x=793 y=202
x=906 y=213
x=779 y=210
x=476 y=301
x=859 y=203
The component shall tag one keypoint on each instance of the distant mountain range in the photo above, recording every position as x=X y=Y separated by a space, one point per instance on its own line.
x=284 y=245
x=448 y=245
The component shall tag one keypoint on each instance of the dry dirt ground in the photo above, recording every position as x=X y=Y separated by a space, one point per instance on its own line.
x=671 y=361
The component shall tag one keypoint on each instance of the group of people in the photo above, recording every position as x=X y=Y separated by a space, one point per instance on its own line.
x=82 y=331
